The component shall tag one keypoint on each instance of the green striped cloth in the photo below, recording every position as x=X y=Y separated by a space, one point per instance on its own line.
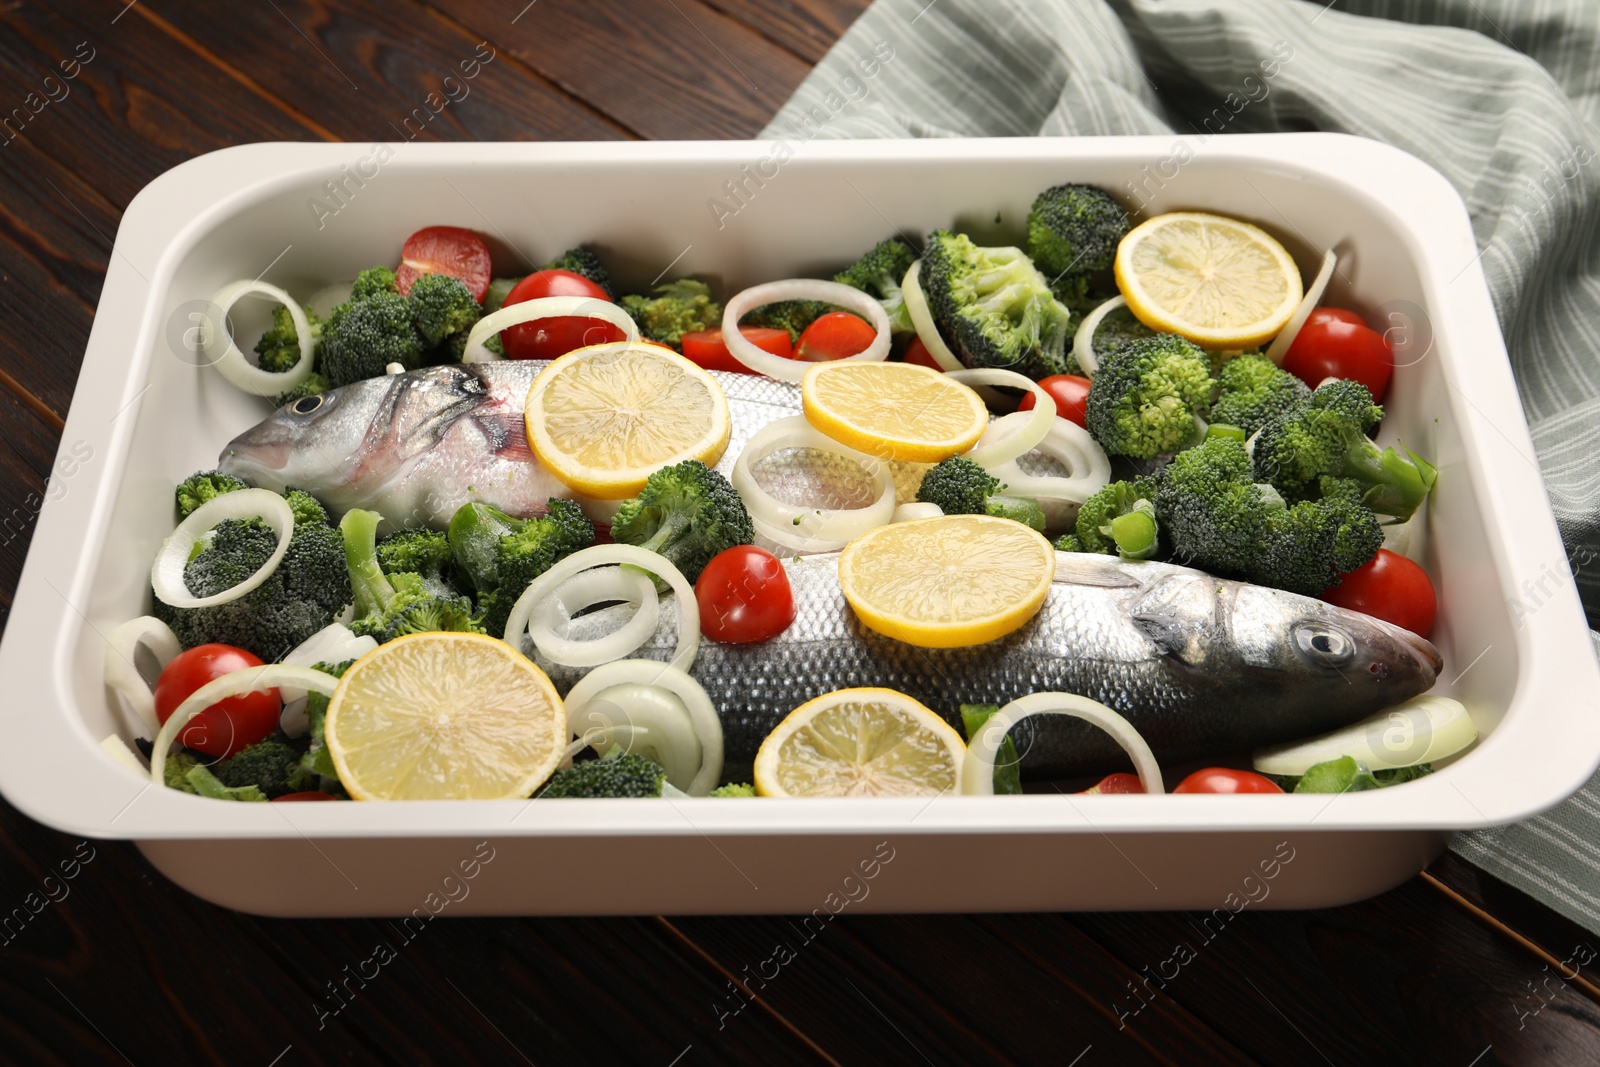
x=1499 y=95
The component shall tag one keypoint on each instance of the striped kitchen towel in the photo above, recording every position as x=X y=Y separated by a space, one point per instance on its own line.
x=1499 y=95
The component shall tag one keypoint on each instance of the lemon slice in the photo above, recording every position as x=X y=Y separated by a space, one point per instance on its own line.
x=602 y=419
x=860 y=742
x=894 y=411
x=947 y=582
x=1219 y=282
x=444 y=716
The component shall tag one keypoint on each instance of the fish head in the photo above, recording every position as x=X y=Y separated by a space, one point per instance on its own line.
x=310 y=443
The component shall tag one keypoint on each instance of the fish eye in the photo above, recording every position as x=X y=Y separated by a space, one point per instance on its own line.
x=306 y=404
x=1325 y=644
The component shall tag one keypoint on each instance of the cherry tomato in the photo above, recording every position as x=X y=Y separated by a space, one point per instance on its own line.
x=549 y=338
x=1227 y=780
x=1392 y=588
x=1335 y=343
x=1070 y=392
x=310 y=794
x=705 y=347
x=445 y=250
x=1121 y=782
x=228 y=725
x=744 y=596
x=836 y=335
x=917 y=352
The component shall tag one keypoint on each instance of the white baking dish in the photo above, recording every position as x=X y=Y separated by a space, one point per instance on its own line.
x=146 y=417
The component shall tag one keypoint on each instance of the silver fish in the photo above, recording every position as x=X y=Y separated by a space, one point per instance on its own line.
x=416 y=446
x=1201 y=666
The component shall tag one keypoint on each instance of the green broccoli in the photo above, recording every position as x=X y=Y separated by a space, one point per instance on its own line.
x=390 y=606
x=500 y=556
x=271 y=765
x=184 y=772
x=1326 y=434
x=1311 y=545
x=1252 y=391
x=1073 y=233
x=443 y=311
x=1213 y=514
x=995 y=307
x=372 y=282
x=1117 y=329
x=791 y=315
x=961 y=487
x=688 y=513
x=362 y=337
x=422 y=552
x=734 y=789
x=1120 y=519
x=315 y=385
x=299 y=598
x=317 y=760
x=1145 y=396
x=879 y=273
x=580 y=261
x=202 y=486
x=1068 y=542
x=279 y=348
x=618 y=774
x=679 y=307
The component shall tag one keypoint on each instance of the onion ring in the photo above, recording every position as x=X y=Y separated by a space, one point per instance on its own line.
x=702 y=714
x=991 y=452
x=166 y=573
x=544 y=307
x=232 y=684
x=916 y=509
x=1308 y=303
x=584 y=590
x=333 y=644
x=836 y=293
x=124 y=677
x=1083 y=340
x=922 y=319
x=802 y=528
x=216 y=341
x=977 y=770
x=1071 y=446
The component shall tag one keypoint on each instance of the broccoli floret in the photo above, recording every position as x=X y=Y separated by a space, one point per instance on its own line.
x=1326 y=434
x=500 y=556
x=271 y=765
x=961 y=487
x=388 y=606
x=1311 y=545
x=1073 y=232
x=317 y=760
x=679 y=307
x=279 y=348
x=187 y=774
x=315 y=385
x=372 y=281
x=306 y=508
x=734 y=789
x=581 y=261
x=233 y=551
x=1253 y=391
x=1145 y=396
x=688 y=513
x=1118 y=329
x=1068 y=542
x=791 y=315
x=1213 y=514
x=880 y=272
x=995 y=307
x=1120 y=519
x=619 y=774
x=423 y=552
x=362 y=337
x=203 y=486
x=442 y=308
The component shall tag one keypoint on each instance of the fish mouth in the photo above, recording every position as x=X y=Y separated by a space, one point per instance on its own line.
x=1423 y=648
x=254 y=459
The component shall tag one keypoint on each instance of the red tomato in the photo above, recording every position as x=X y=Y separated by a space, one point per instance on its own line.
x=1392 y=588
x=1121 y=782
x=1070 y=392
x=228 y=725
x=1335 y=343
x=1227 y=780
x=705 y=347
x=445 y=250
x=744 y=596
x=836 y=335
x=917 y=352
x=549 y=338
x=312 y=794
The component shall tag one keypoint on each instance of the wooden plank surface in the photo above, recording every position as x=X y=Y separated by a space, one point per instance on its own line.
x=114 y=965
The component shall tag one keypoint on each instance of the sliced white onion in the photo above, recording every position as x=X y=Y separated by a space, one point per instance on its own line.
x=977 y=770
x=916 y=510
x=1060 y=496
x=1308 y=304
x=1024 y=429
x=623 y=680
x=802 y=528
x=546 y=307
x=249 y=680
x=166 y=573
x=332 y=644
x=585 y=590
x=293 y=720
x=120 y=753
x=922 y=319
x=1083 y=340
x=217 y=342
x=122 y=674
x=598 y=555
x=1421 y=730
x=836 y=293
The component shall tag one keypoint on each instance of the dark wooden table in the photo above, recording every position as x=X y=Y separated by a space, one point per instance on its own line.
x=117 y=965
